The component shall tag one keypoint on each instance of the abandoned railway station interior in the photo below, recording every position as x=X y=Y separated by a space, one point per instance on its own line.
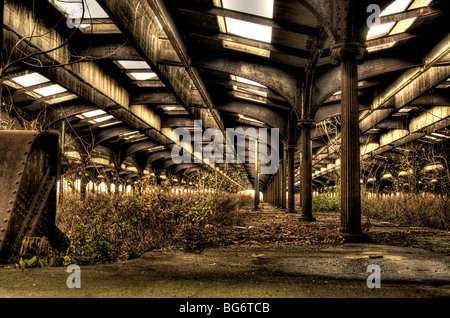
x=130 y=126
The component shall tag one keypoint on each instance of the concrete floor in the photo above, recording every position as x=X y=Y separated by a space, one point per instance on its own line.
x=281 y=271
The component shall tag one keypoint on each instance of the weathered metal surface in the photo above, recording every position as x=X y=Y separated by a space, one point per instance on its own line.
x=29 y=169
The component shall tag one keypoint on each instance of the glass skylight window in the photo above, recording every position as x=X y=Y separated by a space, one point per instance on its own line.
x=104 y=118
x=131 y=133
x=94 y=113
x=31 y=79
x=249 y=30
x=247 y=81
x=395 y=7
x=74 y=8
x=134 y=65
x=143 y=76
x=263 y=8
x=50 y=90
x=169 y=108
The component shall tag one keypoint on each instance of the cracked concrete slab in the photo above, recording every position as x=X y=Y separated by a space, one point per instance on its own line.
x=248 y=271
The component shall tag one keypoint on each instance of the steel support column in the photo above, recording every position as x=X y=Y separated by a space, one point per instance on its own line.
x=283 y=177
x=306 y=174
x=348 y=55
x=256 y=175
x=278 y=189
x=291 y=158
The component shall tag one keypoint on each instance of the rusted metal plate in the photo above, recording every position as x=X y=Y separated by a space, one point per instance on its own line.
x=29 y=168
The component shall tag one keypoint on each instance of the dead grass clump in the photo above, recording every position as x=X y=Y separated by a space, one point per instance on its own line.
x=109 y=227
x=425 y=210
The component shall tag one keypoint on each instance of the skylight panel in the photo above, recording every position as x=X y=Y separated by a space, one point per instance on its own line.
x=169 y=108
x=263 y=8
x=249 y=30
x=93 y=113
x=404 y=25
x=31 y=79
x=131 y=133
x=104 y=118
x=134 y=65
x=382 y=29
x=50 y=90
x=74 y=8
x=247 y=81
x=143 y=76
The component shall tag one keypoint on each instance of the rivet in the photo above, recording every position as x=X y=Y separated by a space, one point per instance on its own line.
x=5 y=220
x=14 y=192
x=23 y=162
x=20 y=173
x=17 y=182
x=11 y=202
x=8 y=211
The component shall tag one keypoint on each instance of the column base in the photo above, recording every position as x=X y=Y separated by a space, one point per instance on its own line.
x=353 y=235
x=290 y=210
x=305 y=218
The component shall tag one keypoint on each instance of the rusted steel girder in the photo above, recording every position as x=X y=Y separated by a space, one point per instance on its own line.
x=29 y=169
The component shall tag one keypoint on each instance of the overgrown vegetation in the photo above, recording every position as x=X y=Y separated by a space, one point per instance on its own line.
x=427 y=210
x=328 y=199
x=411 y=189
x=110 y=227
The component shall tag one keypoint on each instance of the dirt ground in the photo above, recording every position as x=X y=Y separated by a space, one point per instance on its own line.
x=271 y=254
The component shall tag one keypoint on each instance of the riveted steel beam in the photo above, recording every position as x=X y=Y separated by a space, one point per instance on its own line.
x=28 y=193
x=280 y=81
x=327 y=82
